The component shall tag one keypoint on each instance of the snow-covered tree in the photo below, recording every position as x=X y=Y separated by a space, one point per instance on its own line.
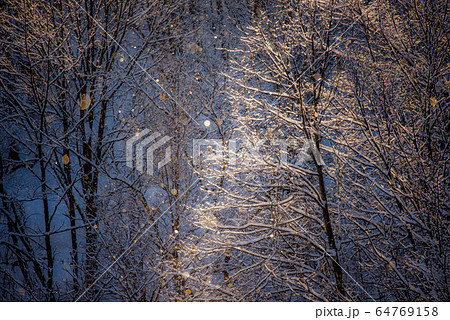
x=271 y=230
x=390 y=139
x=65 y=77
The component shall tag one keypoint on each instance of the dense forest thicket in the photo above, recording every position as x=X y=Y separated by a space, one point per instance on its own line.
x=224 y=150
